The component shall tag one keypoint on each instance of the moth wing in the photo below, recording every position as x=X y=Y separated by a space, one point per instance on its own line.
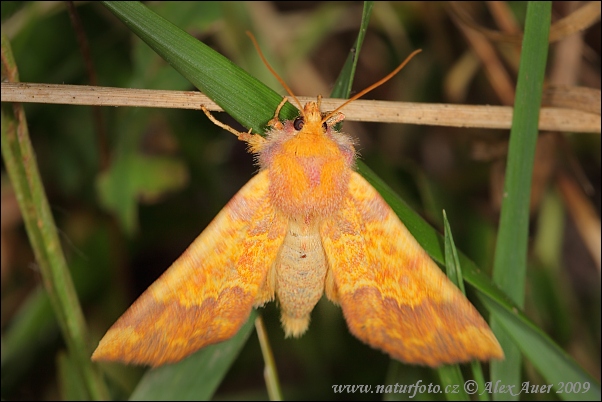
x=209 y=291
x=393 y=296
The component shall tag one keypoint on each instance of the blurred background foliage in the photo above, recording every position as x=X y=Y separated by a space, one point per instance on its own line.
x=181 y=170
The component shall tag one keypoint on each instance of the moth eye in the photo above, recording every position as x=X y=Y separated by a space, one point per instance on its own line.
x=325 y=126
x=298 y=123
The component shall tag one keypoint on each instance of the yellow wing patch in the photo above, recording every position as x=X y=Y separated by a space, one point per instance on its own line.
x=209 y=291
x=393 y=296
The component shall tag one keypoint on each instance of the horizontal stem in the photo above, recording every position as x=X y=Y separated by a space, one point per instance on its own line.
x=434 y=114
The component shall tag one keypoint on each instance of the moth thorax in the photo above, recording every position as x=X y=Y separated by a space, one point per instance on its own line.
x=309 y=186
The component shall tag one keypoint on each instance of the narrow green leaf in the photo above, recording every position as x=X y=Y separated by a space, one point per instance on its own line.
x=244 y=97
x=452 y=264
x=556 y=366
x=343 y=84
x=452 y=375
x=19 y=158
x=510 y=262
x=454 y=272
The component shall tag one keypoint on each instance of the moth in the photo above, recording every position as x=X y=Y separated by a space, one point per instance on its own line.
x=306 y=225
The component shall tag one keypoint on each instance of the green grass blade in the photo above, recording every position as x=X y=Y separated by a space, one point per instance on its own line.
x=343 y=84
x=244 y=97
x=555 y=366
x=452 y=375
x=452 y=264
x=510 y=262
x=22 y=169
x=454 y=272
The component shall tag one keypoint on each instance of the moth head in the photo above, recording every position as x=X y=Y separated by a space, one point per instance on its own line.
x=309 y=120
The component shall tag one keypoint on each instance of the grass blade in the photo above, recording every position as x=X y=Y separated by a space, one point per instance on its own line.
x=510 y=263
x=452 y=375
x=20 y=160
x=342 y=86
x=244 y=97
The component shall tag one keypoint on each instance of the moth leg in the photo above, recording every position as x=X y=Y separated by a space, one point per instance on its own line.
x=226 y=127
x=334 y=119
x=280 y=105
x=275 y=122
x=254 y=141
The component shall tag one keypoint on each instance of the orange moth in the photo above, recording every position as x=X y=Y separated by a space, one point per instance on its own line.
x=305 y=225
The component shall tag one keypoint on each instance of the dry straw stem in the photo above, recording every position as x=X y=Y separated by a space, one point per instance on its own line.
x=476 y=116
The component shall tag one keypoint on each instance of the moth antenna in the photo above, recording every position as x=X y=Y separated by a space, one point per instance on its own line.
x=375 y=85
x=280 y=80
